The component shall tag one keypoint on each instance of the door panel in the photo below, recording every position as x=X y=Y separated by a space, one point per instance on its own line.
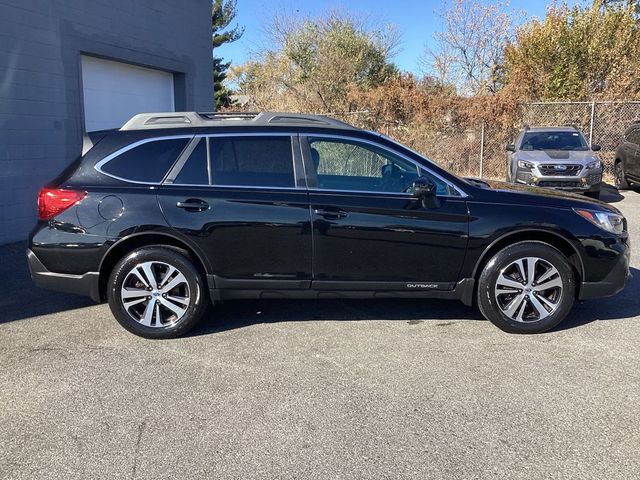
x=370 y=235
x=252 y=238
x=389 y=239
x=239 y=199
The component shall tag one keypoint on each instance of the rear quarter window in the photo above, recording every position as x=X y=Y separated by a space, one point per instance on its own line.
x=147 y=162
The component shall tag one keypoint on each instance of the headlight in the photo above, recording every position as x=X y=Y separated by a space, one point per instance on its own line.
x=593 y=165
x=523 y=164
x=611 y=222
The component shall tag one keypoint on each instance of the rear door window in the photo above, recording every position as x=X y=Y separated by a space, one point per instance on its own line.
x=260 y=161
x=147 y=162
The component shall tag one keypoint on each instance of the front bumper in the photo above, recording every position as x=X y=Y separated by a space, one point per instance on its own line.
x=586 y=181
x=613 y=282
x=86 y=284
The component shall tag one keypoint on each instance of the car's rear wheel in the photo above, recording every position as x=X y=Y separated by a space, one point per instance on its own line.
x=157 y=292
x=620 y=177
x=528 y=287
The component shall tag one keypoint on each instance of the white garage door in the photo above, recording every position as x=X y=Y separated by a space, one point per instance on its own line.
x=115 y=91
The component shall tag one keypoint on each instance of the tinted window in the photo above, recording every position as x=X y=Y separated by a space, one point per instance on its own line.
x=252 y=161
x=351 y=165
x=633 y=136
x=570 y=140
x=194 y=171
x=148 y=162
x=347 y=165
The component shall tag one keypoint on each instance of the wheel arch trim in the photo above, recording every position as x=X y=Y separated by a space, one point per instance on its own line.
x=134 y=238
x=516 y=233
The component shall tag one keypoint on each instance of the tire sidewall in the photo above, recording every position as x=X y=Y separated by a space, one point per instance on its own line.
x=183 y=264
x=619 y=176
x=486 y=285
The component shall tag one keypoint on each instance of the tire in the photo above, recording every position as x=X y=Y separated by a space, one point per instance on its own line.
x=621 y=182
x=178 y=302
x=502 y=304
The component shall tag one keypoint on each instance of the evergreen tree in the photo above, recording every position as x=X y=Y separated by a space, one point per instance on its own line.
x=222 y=14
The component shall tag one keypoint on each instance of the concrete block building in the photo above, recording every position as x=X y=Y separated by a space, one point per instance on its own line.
x=70 y=66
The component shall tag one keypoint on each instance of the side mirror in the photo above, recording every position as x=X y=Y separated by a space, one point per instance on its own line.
x=511 y=147
x=595 y=147
x=423 y=187
x=424 y=190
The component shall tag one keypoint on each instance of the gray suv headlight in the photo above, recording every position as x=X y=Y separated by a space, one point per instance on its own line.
x=523 y=164
x=611 y=222
x=593 y=165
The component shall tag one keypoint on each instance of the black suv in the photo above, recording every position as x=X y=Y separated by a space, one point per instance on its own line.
x=175 y=209
x=627 y=160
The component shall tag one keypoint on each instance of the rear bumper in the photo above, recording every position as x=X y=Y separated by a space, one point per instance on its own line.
x=86 y=284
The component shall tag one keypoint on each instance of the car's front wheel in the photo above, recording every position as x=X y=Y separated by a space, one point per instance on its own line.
x=528 y=287
x=620 y=177
x=156 y=292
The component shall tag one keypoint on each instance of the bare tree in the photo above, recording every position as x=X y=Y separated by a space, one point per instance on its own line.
x=468 y=51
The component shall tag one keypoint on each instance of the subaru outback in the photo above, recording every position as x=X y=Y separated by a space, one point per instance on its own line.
x=555 y=157
x=174 y=211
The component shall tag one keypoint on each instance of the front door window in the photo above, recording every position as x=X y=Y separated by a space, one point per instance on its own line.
x=351 y=165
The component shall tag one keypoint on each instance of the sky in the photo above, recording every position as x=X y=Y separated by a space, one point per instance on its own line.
x=416 y=20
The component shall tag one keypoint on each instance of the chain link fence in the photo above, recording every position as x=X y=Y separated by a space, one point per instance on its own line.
x=479 y=150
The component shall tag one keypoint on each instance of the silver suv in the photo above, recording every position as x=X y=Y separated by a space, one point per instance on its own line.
x=555 y=157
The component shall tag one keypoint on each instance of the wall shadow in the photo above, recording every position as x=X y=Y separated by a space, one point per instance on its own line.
x=20 y=298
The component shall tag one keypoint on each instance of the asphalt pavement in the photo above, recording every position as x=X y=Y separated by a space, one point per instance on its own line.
x=318 y=389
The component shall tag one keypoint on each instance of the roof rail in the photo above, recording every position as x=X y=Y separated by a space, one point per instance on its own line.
x=146 y=121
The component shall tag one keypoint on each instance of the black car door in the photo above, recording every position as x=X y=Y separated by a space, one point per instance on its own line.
x=369 y=231
x=238 y=199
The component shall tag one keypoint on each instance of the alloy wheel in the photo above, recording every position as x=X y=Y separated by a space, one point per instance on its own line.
x=529 y=289
x=155 y=294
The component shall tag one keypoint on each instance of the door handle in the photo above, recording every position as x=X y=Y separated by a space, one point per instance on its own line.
x=193 y=205
x=330 y=213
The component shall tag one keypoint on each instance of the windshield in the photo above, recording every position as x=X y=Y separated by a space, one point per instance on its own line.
x=570 y=140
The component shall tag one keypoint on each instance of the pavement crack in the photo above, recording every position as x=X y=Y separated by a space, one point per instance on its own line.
x=47 y=349
x=141 y=428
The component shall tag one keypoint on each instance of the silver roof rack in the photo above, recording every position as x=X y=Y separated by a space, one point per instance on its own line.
x=146 y=121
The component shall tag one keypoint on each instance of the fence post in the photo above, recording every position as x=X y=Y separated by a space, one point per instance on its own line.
x=481 y=149
x=593 y=114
